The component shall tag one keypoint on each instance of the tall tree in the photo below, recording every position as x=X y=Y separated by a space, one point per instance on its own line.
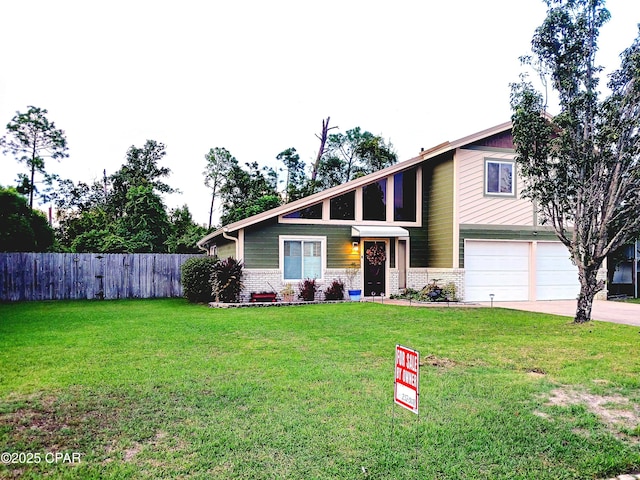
x=141 y=169
x=219 y=161
x=296 y=182
x=32 y=138
x=581 y=167
x=247 y=193
x=353 y=154
x=323 y=137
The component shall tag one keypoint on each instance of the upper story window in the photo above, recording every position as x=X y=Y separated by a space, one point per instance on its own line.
x=499 y=178
x=374 y=201
x=404 y=196
x=313 y=212
x=343 y=207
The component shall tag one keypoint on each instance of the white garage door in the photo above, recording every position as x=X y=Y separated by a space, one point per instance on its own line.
x=556 y=276
x=498 y=268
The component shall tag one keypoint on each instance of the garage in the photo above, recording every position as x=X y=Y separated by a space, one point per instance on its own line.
x=505 y=269
x=498 y=268
x=556 y=275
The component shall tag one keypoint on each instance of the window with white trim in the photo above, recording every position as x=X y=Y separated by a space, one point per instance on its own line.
x=499 y=178
x=302 y=258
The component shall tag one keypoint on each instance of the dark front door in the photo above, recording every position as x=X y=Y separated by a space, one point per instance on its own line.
x=375 y=264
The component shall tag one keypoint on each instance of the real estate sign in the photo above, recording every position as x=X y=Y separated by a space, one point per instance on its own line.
x=407 y=377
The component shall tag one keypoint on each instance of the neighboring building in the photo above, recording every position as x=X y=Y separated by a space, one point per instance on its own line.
x=453 y=213
x=623 y=277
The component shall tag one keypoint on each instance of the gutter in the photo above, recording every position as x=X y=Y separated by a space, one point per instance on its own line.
x=229 y=237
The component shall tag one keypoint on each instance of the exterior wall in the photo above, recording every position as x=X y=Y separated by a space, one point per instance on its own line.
x=478 y=209
x=226 y=248
x=440 y=214
x=418 y=243
x=261 y=243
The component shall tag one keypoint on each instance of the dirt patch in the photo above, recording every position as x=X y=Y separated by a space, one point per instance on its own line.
x=615 y=411
x=433 y=361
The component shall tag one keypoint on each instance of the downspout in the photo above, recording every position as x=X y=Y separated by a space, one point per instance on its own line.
x=229 y=237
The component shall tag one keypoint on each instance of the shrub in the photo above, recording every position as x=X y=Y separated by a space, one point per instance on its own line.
x=196 y=278
x=335 y=291
x=226 y=280
x=308 y=290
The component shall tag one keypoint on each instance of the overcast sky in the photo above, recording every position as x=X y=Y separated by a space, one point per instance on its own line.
x=257 y=77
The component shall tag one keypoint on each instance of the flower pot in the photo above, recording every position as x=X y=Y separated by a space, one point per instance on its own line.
x=354 y=295
x=288 y=297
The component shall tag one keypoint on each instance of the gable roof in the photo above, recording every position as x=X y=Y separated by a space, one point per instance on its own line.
x=361 y=181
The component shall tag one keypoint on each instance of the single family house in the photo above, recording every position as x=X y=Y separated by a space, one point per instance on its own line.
x=453 y=213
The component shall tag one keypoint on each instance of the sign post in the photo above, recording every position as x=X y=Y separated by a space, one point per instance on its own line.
x=407 y=376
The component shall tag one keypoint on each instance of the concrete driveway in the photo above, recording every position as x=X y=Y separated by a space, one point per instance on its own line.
x=606 y=311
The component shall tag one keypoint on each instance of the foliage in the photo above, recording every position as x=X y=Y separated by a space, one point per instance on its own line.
x=184 y=232
x=432 y=292
x=32 y=138
x=581 y=167
x=335 y=291
x=296 y=185
x=307 y=289
x=226 y=280
x=353 y=154
x=22 y=229
x=219 y=160
x=141 y=169
x=196 y=275
x=125 y=212
x=277 y=384
x=247 y=193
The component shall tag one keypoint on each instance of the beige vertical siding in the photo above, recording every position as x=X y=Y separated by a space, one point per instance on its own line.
x=477 y=209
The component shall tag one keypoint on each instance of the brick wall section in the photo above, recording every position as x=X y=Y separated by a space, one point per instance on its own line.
x=418 y=278
x=260 y=280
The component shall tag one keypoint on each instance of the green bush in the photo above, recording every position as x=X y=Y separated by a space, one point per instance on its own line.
x=196 y=278
x=226 y=280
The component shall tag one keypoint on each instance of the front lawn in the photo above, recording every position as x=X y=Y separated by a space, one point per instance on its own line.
x=164 y=389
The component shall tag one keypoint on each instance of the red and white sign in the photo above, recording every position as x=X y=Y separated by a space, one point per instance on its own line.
x=407 y=377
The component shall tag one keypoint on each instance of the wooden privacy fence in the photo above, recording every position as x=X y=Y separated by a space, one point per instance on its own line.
x=59 y=276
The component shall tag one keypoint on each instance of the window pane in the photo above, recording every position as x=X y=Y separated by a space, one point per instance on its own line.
x=493 y=170
x=343 y=207
x=313 y=212
x=312 y=261
x=292 y=260
x=506 y=180
x=374 y=201
x=404 y=196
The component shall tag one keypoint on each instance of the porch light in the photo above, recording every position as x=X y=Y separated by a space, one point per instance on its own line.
x=355 y=246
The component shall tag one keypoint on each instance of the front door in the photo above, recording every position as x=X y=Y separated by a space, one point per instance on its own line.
x=375 y=265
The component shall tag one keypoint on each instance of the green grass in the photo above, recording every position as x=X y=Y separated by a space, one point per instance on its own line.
x=163 y=389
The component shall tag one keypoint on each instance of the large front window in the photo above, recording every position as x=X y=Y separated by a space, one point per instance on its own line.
x=302 y=258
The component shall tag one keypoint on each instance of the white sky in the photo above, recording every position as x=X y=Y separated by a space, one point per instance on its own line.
x=258 y=77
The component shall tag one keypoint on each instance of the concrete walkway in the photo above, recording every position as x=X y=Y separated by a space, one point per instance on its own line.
x=606 y=311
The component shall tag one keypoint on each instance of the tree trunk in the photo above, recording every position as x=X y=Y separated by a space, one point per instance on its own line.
x=32 y=186
x=589 y=286
x=213 y=197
